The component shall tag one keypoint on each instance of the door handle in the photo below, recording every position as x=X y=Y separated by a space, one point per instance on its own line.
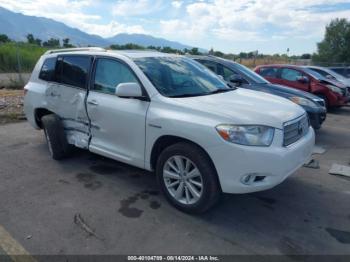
x=54 y=94
x=93 y=103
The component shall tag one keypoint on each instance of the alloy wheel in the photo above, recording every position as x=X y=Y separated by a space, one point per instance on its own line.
x=183 y=180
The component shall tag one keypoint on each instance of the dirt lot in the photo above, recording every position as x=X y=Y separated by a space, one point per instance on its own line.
x=11 y=106
x=91 y=205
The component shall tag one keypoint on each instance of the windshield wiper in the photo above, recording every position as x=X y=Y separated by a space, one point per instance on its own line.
x=204 y=94
x=188 y=95
x=221 y=91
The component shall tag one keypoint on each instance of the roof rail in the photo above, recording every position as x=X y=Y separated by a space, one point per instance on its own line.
x=75 y=50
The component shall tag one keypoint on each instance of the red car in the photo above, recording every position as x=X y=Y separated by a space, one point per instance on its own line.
x=334 y=93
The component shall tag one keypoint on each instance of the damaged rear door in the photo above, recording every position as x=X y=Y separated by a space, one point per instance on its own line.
x=68 y=97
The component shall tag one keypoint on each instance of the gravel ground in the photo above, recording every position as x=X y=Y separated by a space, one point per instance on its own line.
x=11 y=106
x=88 y=204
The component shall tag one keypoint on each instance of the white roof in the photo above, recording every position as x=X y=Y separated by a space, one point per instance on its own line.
x=140 y=53
x=96 y=50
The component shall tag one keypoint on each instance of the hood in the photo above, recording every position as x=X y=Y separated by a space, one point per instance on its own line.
x=345 y=81
x=288 y=91
x=333 y=82
x=243 y=106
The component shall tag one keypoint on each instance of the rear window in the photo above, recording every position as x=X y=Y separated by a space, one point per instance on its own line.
x=75 y=70
x=47 y=72
x=268 y=72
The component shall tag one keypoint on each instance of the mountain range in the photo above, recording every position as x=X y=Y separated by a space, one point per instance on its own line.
x=17 y=26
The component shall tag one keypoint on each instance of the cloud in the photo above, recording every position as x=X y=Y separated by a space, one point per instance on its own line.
x=136 y=7
x=259 y=20
x=73 y=15
x=197 y=22
x=176 y=4
x=113 y=28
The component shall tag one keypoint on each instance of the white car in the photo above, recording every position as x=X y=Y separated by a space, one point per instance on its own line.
x=330 y=74
x=168 y=114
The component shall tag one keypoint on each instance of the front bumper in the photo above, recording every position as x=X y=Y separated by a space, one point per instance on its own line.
x=338 y=101
x=271 y=165
x=317 y=118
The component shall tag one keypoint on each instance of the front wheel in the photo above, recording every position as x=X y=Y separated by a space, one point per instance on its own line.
x=55 y=137
x=188 y=178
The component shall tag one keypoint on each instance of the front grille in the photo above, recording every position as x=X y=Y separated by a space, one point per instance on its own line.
x=295 y=129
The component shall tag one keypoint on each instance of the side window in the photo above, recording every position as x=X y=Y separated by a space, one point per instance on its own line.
x=75 y=70
x=110 y=73
x=228 y=73
x=290 y=74
x=210 y=65
x=47 y=72
x=268 y=72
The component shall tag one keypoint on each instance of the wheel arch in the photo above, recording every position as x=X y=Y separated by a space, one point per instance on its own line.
x=39 y=113
x=167 y=140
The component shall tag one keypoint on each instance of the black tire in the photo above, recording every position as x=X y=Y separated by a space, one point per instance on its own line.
x=211 y=191
x=55 y=137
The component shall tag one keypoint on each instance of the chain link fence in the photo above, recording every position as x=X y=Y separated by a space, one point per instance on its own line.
x=17 y=60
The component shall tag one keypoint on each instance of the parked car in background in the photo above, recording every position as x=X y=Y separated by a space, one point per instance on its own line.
x=241 y=76
x=334 y=93
x=344 y=71
x=330 y=74
x=168 y=114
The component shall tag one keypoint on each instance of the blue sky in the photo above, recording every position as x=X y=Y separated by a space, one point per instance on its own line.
x=269 y=26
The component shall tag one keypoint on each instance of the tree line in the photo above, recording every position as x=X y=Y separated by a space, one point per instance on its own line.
x=50 y=43
x=334 y=48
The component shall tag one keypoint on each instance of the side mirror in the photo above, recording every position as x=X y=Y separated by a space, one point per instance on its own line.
x=128 y=90
x=330 y=77
x=303 y=79
x=236 y=79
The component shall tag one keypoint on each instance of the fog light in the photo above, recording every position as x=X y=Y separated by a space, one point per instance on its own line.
x=247 y=179
x=251 y=178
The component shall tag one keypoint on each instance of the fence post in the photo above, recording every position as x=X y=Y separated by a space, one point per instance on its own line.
x=19 y=69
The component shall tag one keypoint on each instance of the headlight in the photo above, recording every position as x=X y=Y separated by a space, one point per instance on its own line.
x=335 y=89
x=303 y=101
x=248 y=135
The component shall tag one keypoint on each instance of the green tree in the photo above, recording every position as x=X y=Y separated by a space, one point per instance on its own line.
x=4 y=38
x=305 y=56
x=52 y=42
x=37 y=41
x=194 y=51
x=167 y=49
x=66 y=43
x=30 y=39
x=335 y=47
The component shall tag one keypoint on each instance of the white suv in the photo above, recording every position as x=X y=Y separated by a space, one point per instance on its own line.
x=168 y=114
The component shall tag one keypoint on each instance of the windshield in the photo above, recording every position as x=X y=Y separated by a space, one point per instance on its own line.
x=334 y=74
x=180 y=76
x=314 y=74
x=254 y=77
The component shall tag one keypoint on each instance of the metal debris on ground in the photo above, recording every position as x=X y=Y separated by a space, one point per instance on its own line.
x=78 y=220
x=313 y=164
x=318 y=150
x=340 y=170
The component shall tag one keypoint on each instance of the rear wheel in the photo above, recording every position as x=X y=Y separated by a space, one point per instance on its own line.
x=187 y=178
x=55 y=137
